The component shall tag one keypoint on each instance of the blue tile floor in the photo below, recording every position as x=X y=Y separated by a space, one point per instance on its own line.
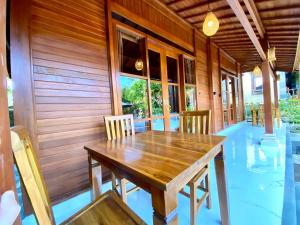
x=255 y=177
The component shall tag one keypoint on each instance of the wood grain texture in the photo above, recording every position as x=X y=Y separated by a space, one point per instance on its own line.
x=107 y=209
x=161 y=163
x=150 y=15
x=67 y=86
x=216 y=81
x=202 y=73
x=6 y=159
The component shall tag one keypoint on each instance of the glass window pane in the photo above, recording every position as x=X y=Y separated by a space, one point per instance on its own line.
x=189 y=69
x=174 y=123
x=130 y=52
x=173 y=99
x=190 y=98
x=172 y=70
x=158 y=124
x=156 y=99
x=134 y=97
x=154 y=65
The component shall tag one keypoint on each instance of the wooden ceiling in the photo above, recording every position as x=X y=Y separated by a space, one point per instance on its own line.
x=278 y=21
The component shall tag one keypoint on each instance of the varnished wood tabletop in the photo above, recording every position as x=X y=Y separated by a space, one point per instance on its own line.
x=159 y=162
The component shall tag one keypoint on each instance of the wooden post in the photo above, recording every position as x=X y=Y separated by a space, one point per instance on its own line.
x=266 y=73
x=7 y=178
x=210 y=83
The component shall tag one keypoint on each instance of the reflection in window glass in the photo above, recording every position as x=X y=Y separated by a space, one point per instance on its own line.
x=190 y=98
x=158 y=124
x=174 y=123
x=172 y=70
x=141 y=126
x=189 y=69
x=134 y=97
x=156 y=99
x=173 y=99
x=154 y=65
x=129 y=54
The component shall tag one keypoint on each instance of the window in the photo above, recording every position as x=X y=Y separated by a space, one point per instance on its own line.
x=190 y=84
x=134 y=97
x=172 y=71
x=190 y=98
x=189 y=71
x=155 y=83
x=131 y=55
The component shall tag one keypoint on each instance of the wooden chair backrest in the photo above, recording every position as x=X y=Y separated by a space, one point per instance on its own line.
x=119 y=126
x=29 y=170
x=195 y=122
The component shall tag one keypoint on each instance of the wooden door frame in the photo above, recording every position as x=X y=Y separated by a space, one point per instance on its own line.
x=228 y=76
x=165 y=50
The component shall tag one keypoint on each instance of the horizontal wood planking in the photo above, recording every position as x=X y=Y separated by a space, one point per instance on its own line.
x=160 y=18
x=201 y=72
x=218 y=114
x=71 y=87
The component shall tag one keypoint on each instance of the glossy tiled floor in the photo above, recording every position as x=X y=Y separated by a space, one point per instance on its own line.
x=255 y=184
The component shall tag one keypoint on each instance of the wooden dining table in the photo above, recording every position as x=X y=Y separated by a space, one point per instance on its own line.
x=162 y=163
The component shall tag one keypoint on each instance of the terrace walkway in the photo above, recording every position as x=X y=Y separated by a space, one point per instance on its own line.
x=255 y=179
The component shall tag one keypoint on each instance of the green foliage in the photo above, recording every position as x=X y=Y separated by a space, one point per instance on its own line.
x=190 y=93
x=290 y=110
x=156 y=99
x=134 y=98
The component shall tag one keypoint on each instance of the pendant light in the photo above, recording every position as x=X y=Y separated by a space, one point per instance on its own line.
x=139 y=65
x=271 y=54
x=256 y=71
x=210 y=24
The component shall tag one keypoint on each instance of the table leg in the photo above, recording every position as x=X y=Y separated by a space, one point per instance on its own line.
x=95 y=176
x=222 y=189
x=164 y=205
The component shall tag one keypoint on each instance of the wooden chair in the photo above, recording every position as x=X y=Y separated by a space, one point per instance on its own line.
x=118 y=127
x=197 y=122
x=107 y=209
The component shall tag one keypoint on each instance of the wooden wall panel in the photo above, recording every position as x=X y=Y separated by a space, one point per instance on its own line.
x=155 y=16
x=227 y=63
x=71 y=87
x=216 y=78
x=201 y=73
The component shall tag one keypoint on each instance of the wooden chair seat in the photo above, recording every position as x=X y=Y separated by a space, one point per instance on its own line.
x=108 y=209
x=197 y=122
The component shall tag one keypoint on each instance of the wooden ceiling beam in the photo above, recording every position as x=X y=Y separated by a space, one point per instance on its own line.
x=201 y=14
x=197 y=5
x=250 y=5
x=239 y=12
x=297 y=56
x=173 y=2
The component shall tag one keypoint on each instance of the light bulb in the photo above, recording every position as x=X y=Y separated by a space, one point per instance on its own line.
x=256 y=71
x=139 y=65
x=210 y=24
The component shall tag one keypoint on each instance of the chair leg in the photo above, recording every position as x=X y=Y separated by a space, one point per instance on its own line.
x=193 y=203
x=207 y=184
x=123 y=190
x=113 y=182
